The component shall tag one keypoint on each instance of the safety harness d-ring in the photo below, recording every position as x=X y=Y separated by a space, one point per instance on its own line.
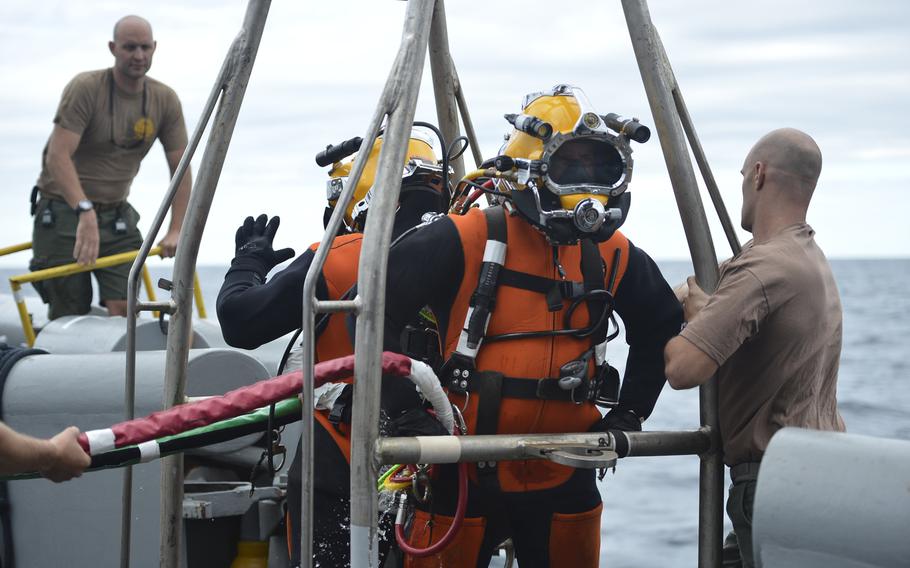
x=421 y=480
x=464 y=407
x=459 y=418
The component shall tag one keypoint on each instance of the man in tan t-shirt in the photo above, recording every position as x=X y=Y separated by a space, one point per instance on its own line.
x=772 y=329
x=106 y=123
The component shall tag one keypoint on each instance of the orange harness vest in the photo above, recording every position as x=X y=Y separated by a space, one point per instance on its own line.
x=340 y=274
x=524 y=310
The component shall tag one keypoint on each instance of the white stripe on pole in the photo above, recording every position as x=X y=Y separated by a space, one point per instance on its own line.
x=149 y=451
x=100 y=441
x=439 y=449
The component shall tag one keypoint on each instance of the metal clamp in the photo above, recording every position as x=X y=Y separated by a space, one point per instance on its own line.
x=574 y=455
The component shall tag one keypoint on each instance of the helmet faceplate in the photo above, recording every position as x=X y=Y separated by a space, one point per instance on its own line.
x=576 y=174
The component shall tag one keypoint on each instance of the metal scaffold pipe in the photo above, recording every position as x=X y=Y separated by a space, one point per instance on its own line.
x=444 y=83
x=654 y=68
x=132 y=302
x=695 y=144
x=466 y=119
x=308 y=326
x=239 y=63
x=404 y=83
x=455 y=449
x=710 y=183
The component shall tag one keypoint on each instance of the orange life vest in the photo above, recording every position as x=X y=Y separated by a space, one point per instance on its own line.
x=340 y=274
x=520 y=310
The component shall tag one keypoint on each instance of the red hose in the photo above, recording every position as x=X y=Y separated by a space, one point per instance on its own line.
x=236 y=402
x=474 y=195
x=460 y=510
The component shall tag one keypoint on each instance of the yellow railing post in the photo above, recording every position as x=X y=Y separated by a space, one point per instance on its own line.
x=197 y=296
x=24 y=317
x=15 y=248
x=147 y=280
x=149 y=289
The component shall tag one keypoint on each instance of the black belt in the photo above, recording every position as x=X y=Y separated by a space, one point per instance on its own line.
x=746 y=471
x=99 y=207
x=534 y=389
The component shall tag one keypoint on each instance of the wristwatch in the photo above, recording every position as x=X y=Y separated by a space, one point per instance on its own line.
x=84 y=205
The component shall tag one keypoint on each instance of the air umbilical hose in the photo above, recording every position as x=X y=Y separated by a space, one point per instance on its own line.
x=447 y=538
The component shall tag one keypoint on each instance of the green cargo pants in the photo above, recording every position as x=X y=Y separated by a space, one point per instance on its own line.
x=53 y=239
x=740 y=503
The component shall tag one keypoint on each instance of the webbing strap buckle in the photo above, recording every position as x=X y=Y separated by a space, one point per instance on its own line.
x=571 y=289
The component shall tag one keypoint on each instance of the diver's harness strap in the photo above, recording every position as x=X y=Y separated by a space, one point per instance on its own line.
x=541 y=389
x=484 y=298
x=459 y=372
x=555 y=291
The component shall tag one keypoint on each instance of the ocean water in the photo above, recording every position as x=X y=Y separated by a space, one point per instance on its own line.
x=651 y=504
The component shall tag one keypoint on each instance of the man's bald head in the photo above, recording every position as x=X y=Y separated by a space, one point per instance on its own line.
x=789 y=153
x=131 y=24
x=132 y=47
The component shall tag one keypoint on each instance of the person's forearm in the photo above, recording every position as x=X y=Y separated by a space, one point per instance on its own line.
x=63 y=171
x=20 y=453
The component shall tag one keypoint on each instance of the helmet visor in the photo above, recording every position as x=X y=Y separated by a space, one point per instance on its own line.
x=585 y=161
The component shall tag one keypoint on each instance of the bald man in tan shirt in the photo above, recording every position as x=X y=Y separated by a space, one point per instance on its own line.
x=772 y=329
x=106 y=123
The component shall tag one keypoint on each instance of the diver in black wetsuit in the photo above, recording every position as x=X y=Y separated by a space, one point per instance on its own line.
x=504 y=284
x=253 y=310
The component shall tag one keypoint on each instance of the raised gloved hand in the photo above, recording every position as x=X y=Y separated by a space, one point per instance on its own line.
x=254 y=245
x=618 y=419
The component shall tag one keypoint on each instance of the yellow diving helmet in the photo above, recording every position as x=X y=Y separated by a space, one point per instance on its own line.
x=570 y=165
x=421 y=171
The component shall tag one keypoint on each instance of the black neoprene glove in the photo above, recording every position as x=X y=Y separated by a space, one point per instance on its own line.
x=254 y=246
x=618 y=419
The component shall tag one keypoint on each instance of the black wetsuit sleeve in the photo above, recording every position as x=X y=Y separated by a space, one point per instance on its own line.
x=651 y=315
x=425 y=269
x=253 y=311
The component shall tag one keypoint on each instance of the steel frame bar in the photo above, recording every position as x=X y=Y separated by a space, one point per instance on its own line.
x=444 y=83
x=655 y=74
x=698 y=151
x=454 y=449
x=707 y=175
x=466 y=119
x=232 y=82
x=311 y=306
x=132 y=301
x=401 y=89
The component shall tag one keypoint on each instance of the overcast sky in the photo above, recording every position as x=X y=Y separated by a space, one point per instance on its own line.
x=836 y=69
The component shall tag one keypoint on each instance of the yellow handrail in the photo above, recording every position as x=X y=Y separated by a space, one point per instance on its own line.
x=17 y=281
x=15 y=248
